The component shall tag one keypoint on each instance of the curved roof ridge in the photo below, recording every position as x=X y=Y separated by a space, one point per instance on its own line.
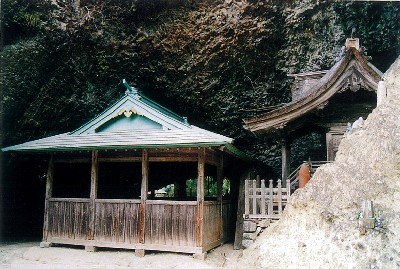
x=318 y=94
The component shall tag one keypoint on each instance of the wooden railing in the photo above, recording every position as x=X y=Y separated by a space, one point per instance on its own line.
x=117 y=220
x=294 y=176
x=68 y=218
x=217 y=222
x=171 y=223
x=263 y=202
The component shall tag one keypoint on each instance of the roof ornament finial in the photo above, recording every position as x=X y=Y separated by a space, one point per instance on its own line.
x=353 y=31
x=131 y=90
x=352 y=42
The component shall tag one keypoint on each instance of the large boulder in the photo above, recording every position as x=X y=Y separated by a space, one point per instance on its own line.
x=320 y=227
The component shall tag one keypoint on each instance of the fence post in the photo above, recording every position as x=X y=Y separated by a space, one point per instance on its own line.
x=254 y=197
x=280 y=197
x=262 y=196
x=247 y=198
x=271 y=198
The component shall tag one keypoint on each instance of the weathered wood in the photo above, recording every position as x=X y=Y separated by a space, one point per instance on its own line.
x=263 y=202
x=270 y=197
x=143 y=195
x=172 y=159
x=100 y=243
x=69 y=219
x=239 y=216
x=272 y=200
x=82 y=200
x=117 y=222
x=93 y=193
x=279 y=197
x=120 y=159
x=170 y=202
x=49 y=191
x=285 y=159
x=246 y=194
x=219 y=195
x=200 y=197
x=212 y=223
x=171 y=224
x=254 y=192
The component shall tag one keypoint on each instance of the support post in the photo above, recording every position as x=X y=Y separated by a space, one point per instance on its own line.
x=285 y=159
x=143 y=195
x=240 y=210
x=93 y=195
x=219 y=196
x=200 y=197
x=48 y=195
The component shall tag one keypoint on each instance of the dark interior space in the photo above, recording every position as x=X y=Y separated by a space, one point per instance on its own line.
x=71 y=180
x=23 y=183
x=162 y=174
x=119 y=180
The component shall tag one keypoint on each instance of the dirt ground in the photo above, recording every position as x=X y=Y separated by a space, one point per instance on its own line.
x=29 y=255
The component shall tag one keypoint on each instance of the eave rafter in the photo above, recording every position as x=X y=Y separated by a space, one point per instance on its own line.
x=352 y=72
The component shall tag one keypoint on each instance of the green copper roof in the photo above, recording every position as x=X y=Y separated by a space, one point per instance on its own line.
x=134 y=121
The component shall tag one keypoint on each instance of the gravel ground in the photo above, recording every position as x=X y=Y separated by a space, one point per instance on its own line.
x=22 y=255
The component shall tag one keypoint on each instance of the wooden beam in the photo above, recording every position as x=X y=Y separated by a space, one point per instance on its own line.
x=240 y=211
x=143 y=195
x=200 y=197
x=285 y=159
x=49 y=193
x=93 y=193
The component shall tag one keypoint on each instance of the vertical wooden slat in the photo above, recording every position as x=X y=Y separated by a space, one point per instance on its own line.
x=247 y=198
x=285 y=158
x=262 y=196
x=143 y=195
x=280 y=197
x=49 y=193
x=93 y=194
x=271 y=197
x=239 y=216
x=200 y=197
x=254 y=192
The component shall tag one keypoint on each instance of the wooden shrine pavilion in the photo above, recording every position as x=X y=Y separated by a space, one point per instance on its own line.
x=102 y=181
x=323 y=102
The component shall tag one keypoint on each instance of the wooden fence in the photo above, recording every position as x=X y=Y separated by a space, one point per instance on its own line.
x=169 y=225
x=262 y=202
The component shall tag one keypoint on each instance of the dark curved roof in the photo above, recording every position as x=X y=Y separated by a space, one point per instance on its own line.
x=339 y=78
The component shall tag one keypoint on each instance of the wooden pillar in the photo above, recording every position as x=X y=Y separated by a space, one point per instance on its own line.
x=219 y=195
x=285 y=159
x=143 y=195
x=200 y=196
x=240 y=209
x=48 y=195
x=93 y=194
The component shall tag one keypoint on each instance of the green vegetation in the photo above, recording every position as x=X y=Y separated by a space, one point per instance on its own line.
x=215 y=62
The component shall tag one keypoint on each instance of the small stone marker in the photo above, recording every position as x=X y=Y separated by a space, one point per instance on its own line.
x=367 y=219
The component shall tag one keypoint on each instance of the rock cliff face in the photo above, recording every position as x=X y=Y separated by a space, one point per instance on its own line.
x=320 y=227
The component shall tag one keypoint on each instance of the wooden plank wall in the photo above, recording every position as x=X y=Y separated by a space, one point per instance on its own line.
x=117 y=221
x=265 y=202
x=212 y=222
x=68 y=218
x=171 y=223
